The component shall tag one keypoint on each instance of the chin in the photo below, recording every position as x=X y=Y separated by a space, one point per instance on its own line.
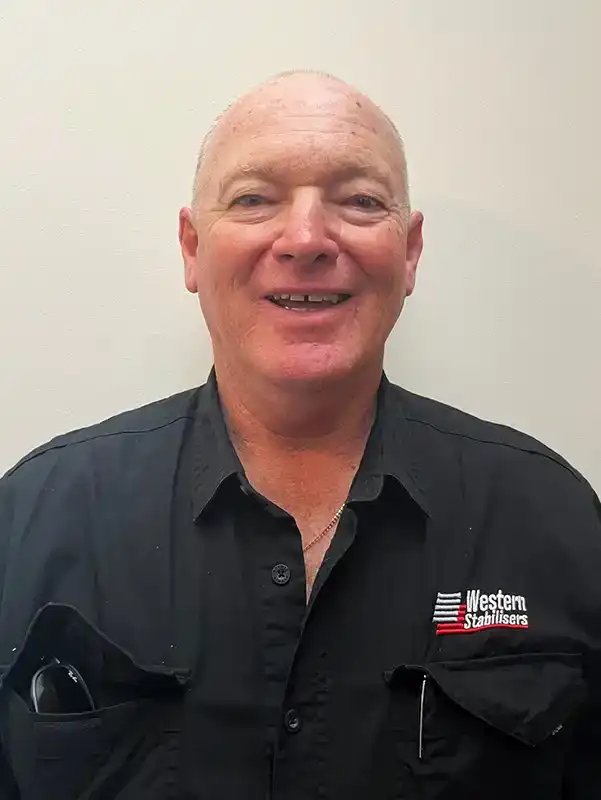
x=309 y=364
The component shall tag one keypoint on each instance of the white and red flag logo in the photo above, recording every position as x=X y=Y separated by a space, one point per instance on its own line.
x=477 y=611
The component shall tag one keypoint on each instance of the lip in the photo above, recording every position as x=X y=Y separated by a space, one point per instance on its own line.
x=314 y=316
x=306 y=290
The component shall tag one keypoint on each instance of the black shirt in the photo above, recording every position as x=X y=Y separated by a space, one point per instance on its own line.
x=450 y=647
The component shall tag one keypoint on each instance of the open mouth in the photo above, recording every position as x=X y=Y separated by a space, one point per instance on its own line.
x=307 y=302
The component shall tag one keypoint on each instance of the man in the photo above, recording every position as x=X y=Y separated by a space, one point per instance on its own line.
x=299 y=580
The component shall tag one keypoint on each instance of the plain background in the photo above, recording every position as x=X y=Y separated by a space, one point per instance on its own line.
x=102 y=108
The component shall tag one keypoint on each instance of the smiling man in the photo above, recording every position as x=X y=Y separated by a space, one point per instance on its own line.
x=302 y=249
x=299 y=580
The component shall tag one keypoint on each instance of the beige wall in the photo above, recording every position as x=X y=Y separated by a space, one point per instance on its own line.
x=102 y=106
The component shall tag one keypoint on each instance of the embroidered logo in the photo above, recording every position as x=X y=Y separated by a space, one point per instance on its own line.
x=476 y=611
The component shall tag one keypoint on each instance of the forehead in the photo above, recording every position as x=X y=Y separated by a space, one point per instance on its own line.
x=308 y=128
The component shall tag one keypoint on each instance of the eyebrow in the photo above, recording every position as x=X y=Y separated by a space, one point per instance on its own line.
x=341 y=174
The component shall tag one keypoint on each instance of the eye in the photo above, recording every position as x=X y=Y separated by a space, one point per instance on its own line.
x=250 y=200
x=365 y=202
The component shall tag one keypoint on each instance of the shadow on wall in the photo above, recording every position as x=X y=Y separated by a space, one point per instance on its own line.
x=505 y=325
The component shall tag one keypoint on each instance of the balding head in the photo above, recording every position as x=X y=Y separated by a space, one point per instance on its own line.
x=300 y=92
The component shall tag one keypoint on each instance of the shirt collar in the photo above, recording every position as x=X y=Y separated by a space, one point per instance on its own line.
x=390 y=452
x=214 y=459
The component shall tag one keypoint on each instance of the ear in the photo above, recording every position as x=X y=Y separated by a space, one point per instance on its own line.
x=188 y=240
x=415 y=245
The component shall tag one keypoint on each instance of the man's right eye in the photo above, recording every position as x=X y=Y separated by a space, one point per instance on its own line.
x=250 y=200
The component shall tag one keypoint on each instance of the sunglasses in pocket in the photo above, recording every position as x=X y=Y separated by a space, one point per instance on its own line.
x=58 y=688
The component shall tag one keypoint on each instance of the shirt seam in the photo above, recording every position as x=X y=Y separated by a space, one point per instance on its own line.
x=61 y=445
x=481 y=440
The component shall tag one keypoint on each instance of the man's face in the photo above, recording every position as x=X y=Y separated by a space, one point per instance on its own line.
x=301 y=198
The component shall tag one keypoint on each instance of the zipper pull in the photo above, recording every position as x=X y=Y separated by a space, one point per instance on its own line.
x=422 y=699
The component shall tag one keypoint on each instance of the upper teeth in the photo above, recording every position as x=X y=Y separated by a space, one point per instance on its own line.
x=311 y=298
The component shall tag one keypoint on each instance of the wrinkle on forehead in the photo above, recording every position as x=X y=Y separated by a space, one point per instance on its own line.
x=304 y=97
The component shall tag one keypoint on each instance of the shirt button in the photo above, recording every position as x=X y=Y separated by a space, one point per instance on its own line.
x=292 y=721
x=280 y=574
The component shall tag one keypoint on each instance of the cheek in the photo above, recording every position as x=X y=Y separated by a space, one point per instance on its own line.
x=223 y=265
x=229 y=261
x=382 y=257
x=225 y=268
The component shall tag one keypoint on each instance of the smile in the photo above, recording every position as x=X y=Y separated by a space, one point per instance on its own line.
x=307 y=302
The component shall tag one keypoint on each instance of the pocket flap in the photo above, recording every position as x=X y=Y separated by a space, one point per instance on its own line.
x=60 y=631
x=528 y=696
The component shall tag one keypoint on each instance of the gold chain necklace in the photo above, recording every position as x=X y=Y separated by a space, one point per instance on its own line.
x=326 y=530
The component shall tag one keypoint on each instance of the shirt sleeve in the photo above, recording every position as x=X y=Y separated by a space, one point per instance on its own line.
x=583 y=766
x=8 y=788
x=44 y=556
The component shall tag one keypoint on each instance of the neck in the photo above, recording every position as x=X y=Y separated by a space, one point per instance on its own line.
x=289 y=416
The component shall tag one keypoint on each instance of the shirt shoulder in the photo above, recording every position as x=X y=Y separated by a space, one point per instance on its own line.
x=72 y=502
x=141 y=429
x=490 y=440
x=511 y=471
x=513 y=488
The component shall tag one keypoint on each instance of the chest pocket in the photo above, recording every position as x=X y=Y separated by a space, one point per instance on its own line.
x=126 y=748
x=492 y=725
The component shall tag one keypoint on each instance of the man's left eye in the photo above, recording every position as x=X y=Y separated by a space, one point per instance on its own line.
x=249 y=200
x=365 y=202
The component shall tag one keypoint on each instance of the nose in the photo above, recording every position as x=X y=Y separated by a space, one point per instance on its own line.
x=306 y=237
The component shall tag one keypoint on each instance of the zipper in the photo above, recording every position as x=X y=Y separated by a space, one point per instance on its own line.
x=422 y=699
